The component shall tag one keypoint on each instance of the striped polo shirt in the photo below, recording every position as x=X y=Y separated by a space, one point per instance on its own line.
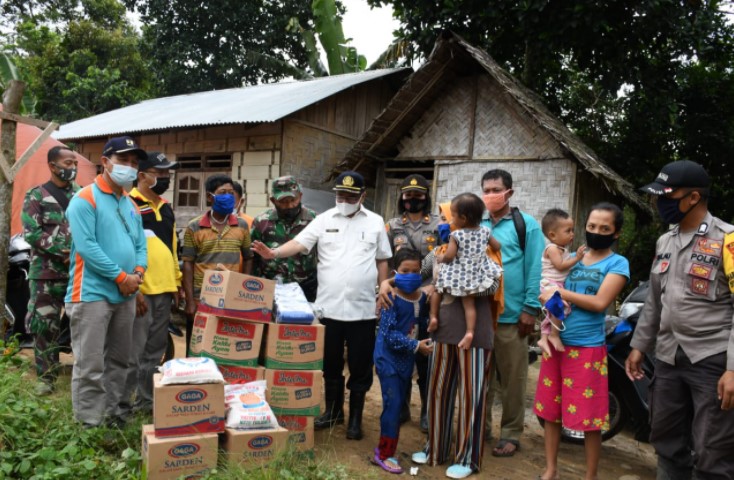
x=207 y=244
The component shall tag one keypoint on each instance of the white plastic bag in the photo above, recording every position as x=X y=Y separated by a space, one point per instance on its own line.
x=247 y=408
x=191 y=370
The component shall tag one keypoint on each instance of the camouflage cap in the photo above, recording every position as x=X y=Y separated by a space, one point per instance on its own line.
x=285 y=187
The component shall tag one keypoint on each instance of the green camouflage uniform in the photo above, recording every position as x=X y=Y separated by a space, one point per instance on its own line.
x=274 y=232
x=47 y=231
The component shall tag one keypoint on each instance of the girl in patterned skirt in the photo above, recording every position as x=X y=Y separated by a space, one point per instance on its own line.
x=466 y=269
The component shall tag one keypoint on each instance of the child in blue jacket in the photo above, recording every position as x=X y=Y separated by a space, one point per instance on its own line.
x=395 y=350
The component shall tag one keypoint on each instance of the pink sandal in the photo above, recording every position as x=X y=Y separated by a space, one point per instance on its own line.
x=381 y=463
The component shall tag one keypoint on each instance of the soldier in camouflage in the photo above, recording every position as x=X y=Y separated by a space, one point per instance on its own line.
x=47 y=231
x=278 y=225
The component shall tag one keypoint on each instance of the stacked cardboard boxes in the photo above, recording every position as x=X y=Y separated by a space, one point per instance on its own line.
x=235 y=314
x=293 y=356
x=183 y=440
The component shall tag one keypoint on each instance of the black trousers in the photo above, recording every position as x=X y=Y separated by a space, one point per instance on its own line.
x=359 y=338
x=690 y=431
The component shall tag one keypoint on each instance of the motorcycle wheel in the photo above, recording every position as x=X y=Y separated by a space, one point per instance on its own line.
x=617 y=419
x=170 y=352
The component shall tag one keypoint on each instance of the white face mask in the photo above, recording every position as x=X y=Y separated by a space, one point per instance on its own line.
x=347 y=209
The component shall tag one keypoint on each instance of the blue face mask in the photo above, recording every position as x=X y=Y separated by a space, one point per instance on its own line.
x=444 y=231
x=408 y=282
x=223 y=203
x=123 y=175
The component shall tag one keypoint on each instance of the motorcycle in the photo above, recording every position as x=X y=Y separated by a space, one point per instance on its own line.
x=628 y=403
x=18 y=292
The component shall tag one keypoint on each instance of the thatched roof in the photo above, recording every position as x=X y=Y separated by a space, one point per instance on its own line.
x=452 y=56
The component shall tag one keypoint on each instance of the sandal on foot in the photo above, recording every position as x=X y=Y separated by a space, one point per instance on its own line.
x=386 y=464
x=420 y=458
x=498 y=451
x=458 y=471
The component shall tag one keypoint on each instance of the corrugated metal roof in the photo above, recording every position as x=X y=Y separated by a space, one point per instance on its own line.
x=260 y=103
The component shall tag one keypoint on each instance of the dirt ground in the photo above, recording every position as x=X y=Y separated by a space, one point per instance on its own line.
x=623 y=458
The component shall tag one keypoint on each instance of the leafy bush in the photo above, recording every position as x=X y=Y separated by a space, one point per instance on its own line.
x=39 y=438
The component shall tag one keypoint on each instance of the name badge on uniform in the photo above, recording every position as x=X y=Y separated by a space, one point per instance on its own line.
x=708 y=246
x=700 y=286
x=332 y=230
x=701 y=271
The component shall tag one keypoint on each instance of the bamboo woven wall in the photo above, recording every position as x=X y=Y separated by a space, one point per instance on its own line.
x=538 y=185
x=445 y=128
x=504 y=130
x=500 y=127
x=310 y=153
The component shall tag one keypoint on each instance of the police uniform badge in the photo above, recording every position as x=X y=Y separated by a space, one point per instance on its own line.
x=699 y=286
x=700 y=270
x=414 y=182
x=348 y=181
x=708 y=246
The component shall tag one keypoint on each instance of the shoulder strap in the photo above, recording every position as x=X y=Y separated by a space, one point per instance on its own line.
x=519 y=226
x=58 y=194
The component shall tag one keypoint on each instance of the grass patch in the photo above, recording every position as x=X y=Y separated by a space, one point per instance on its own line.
x=39 y=439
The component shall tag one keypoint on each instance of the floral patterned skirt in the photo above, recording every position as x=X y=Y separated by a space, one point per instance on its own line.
x=573 y=388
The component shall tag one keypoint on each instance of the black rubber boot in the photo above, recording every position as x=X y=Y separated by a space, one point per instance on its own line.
x=356 y=405
x=334 y=414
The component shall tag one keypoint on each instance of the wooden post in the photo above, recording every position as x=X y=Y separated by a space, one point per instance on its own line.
x=11 y=104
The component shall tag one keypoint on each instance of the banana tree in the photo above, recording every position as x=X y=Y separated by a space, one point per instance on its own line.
x=340 y=56
x=8 y=71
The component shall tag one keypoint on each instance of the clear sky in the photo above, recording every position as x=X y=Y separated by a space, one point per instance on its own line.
x=370 y=29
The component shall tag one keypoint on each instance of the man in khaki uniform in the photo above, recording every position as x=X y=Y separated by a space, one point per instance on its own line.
x=687 y=321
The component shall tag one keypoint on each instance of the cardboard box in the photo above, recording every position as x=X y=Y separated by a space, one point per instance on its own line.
x=254 y=446
x=226 y=340
x=231 y=294
x=300 y=430
x=181 y=457
x=239 y=374
x=294 y=392
x=180 y=410
x=294 y=347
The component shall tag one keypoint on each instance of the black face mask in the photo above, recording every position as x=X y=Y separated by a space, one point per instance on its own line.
x=66 y=174
x=669 y=211
x=161 y=185
x=289 y=213
x=414 y=205
x=597 y=241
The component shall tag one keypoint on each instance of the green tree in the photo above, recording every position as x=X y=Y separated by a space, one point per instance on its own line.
x=218 y=44
x=87 y=66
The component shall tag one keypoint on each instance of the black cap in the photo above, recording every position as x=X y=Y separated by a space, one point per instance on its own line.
x=679 y=174
x=156 y=160
x=349 y=181
x=122 y=145
x=415 y=182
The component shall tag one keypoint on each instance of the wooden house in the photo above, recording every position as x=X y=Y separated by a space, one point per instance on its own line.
x=459 y=115
x=255 y=134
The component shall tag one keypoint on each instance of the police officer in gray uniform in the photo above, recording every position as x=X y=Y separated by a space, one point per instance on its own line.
x=687 y=322
x=415 y=228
